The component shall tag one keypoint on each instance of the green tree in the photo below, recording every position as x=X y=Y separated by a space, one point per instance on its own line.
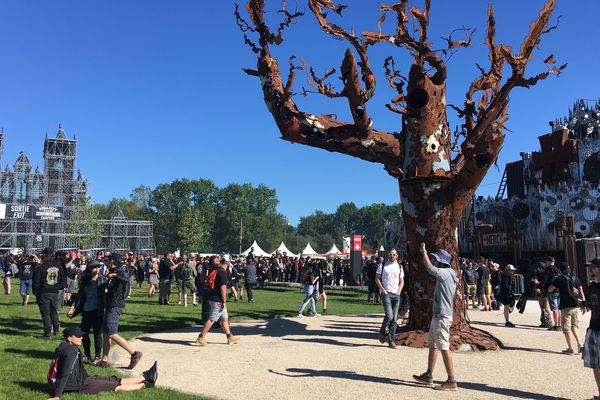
x=85 y=224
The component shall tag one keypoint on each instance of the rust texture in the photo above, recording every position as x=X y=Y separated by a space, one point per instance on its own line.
x=434 y=186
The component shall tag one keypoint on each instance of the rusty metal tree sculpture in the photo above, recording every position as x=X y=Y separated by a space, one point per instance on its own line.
x=435 y=186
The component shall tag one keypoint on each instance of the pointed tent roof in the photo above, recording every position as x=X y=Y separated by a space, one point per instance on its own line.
x=283 y=249
x=333 y=251
x=258 y=252
x=309 y=251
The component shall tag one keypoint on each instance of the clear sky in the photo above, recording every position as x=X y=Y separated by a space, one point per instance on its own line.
x=154 y=91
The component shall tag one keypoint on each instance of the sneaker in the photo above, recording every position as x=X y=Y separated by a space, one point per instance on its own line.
x=509 y=324
x=195 y=304
x=568 y=351
x=85 y=359
x=185 y=304
x=96 y=361
x=233 y=339
x=135 y=359
x=424 y=379
x=201 y=341
x=556 y=329
x=150 y=376
x=316 y=315
x=392 y=344
x=179 y=302
x=447 y=386
x=381 y=338
x=300 y=316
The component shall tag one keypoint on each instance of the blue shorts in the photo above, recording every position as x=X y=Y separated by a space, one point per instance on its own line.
x=553 y=299
x=111 y=320
x=25 y=286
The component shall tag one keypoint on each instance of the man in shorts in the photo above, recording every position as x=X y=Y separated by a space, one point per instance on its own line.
x=439 y=331
x=71 y=376
x=217 y=301
x=117 y=288
x=591 y=349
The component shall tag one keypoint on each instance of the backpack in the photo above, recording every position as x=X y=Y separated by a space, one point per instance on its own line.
x=209 y=284
x=572 y=284
x=53 y=371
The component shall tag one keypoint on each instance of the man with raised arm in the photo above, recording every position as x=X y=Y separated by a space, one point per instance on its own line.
x=439 y=330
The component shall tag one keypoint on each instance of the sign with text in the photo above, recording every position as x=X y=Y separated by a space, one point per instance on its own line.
x=357 y=243
x=494 y=239
x=21 y=211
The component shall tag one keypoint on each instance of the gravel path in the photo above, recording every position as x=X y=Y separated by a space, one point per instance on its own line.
x=339 y=357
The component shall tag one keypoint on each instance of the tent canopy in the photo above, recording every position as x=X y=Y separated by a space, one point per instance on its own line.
x=309 y=251
x=333 y=251
x=283 y=249
x=258 y=252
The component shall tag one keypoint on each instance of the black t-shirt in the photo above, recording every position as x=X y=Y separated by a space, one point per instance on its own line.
x=70 y=271
x=26 y=271
x=567 y=300
x=220 y=280
x=164 y=269
x=592 y=297
x=484 y=274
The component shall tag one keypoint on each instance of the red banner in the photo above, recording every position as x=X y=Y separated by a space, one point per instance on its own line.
x=357 y=243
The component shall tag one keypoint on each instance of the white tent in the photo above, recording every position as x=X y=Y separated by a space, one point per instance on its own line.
x=309 y=251
x=334 y=251
x=258 y=252
x=283 y=249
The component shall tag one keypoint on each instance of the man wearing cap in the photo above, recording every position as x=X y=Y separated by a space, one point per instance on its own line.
x=439 y=330
x=117 y=288
x=390 y=280
x=506 y=295
x=48 y=282
x=71 y=375
x=591 y=350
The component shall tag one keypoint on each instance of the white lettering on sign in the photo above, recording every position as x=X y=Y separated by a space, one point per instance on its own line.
x=19 y=209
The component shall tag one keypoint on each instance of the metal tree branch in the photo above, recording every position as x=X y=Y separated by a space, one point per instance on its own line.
x=322 y=131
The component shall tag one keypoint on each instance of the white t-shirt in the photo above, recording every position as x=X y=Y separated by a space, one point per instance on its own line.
x=390 y=276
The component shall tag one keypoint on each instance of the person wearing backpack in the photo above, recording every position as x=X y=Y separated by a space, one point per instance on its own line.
x=188 y=280
x=571 y=293
x=216 y=281
x=67 y=373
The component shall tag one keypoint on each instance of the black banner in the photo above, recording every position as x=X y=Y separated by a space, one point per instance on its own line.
x=24 y=212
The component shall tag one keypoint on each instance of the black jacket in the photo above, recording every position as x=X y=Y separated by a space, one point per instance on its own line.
x=79 y=298
x=50 y=277
x=70 y=371
x=117 y=288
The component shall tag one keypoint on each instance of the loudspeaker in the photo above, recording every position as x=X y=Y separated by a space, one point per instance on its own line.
x=587 y=250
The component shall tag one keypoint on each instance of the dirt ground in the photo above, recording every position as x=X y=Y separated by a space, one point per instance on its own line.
x=339 y=357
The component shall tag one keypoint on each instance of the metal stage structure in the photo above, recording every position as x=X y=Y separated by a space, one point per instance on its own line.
x=37 y=209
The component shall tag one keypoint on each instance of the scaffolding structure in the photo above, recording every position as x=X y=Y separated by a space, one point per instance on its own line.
x=63 y=190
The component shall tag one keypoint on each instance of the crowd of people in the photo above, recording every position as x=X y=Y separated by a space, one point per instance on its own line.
x=96 y=288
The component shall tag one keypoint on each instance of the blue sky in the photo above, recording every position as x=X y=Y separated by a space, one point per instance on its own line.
x=154 y=91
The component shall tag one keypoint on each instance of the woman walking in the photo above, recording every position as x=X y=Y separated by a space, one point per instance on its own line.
x=153 y=277
x=310 y=279
x=89 y=303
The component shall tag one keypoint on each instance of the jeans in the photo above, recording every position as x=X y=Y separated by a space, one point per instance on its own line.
x=49 y=304
x=391 y=304
x=92 y=321
x=249 y=293
x=308 y=290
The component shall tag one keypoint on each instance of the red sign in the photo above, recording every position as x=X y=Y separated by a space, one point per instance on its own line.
x=357 y=243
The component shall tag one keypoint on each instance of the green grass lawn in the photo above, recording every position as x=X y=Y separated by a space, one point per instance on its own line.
x=25 y=357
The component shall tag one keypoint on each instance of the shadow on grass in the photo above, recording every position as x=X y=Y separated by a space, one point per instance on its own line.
x=32 y=385
x=41 y=354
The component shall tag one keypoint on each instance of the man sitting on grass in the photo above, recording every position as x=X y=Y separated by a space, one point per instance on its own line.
x=71 y=376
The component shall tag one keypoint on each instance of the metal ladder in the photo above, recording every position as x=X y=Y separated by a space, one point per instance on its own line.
x=502 y=187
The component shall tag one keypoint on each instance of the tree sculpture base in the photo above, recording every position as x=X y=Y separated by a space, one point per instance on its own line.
x=466 y=338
